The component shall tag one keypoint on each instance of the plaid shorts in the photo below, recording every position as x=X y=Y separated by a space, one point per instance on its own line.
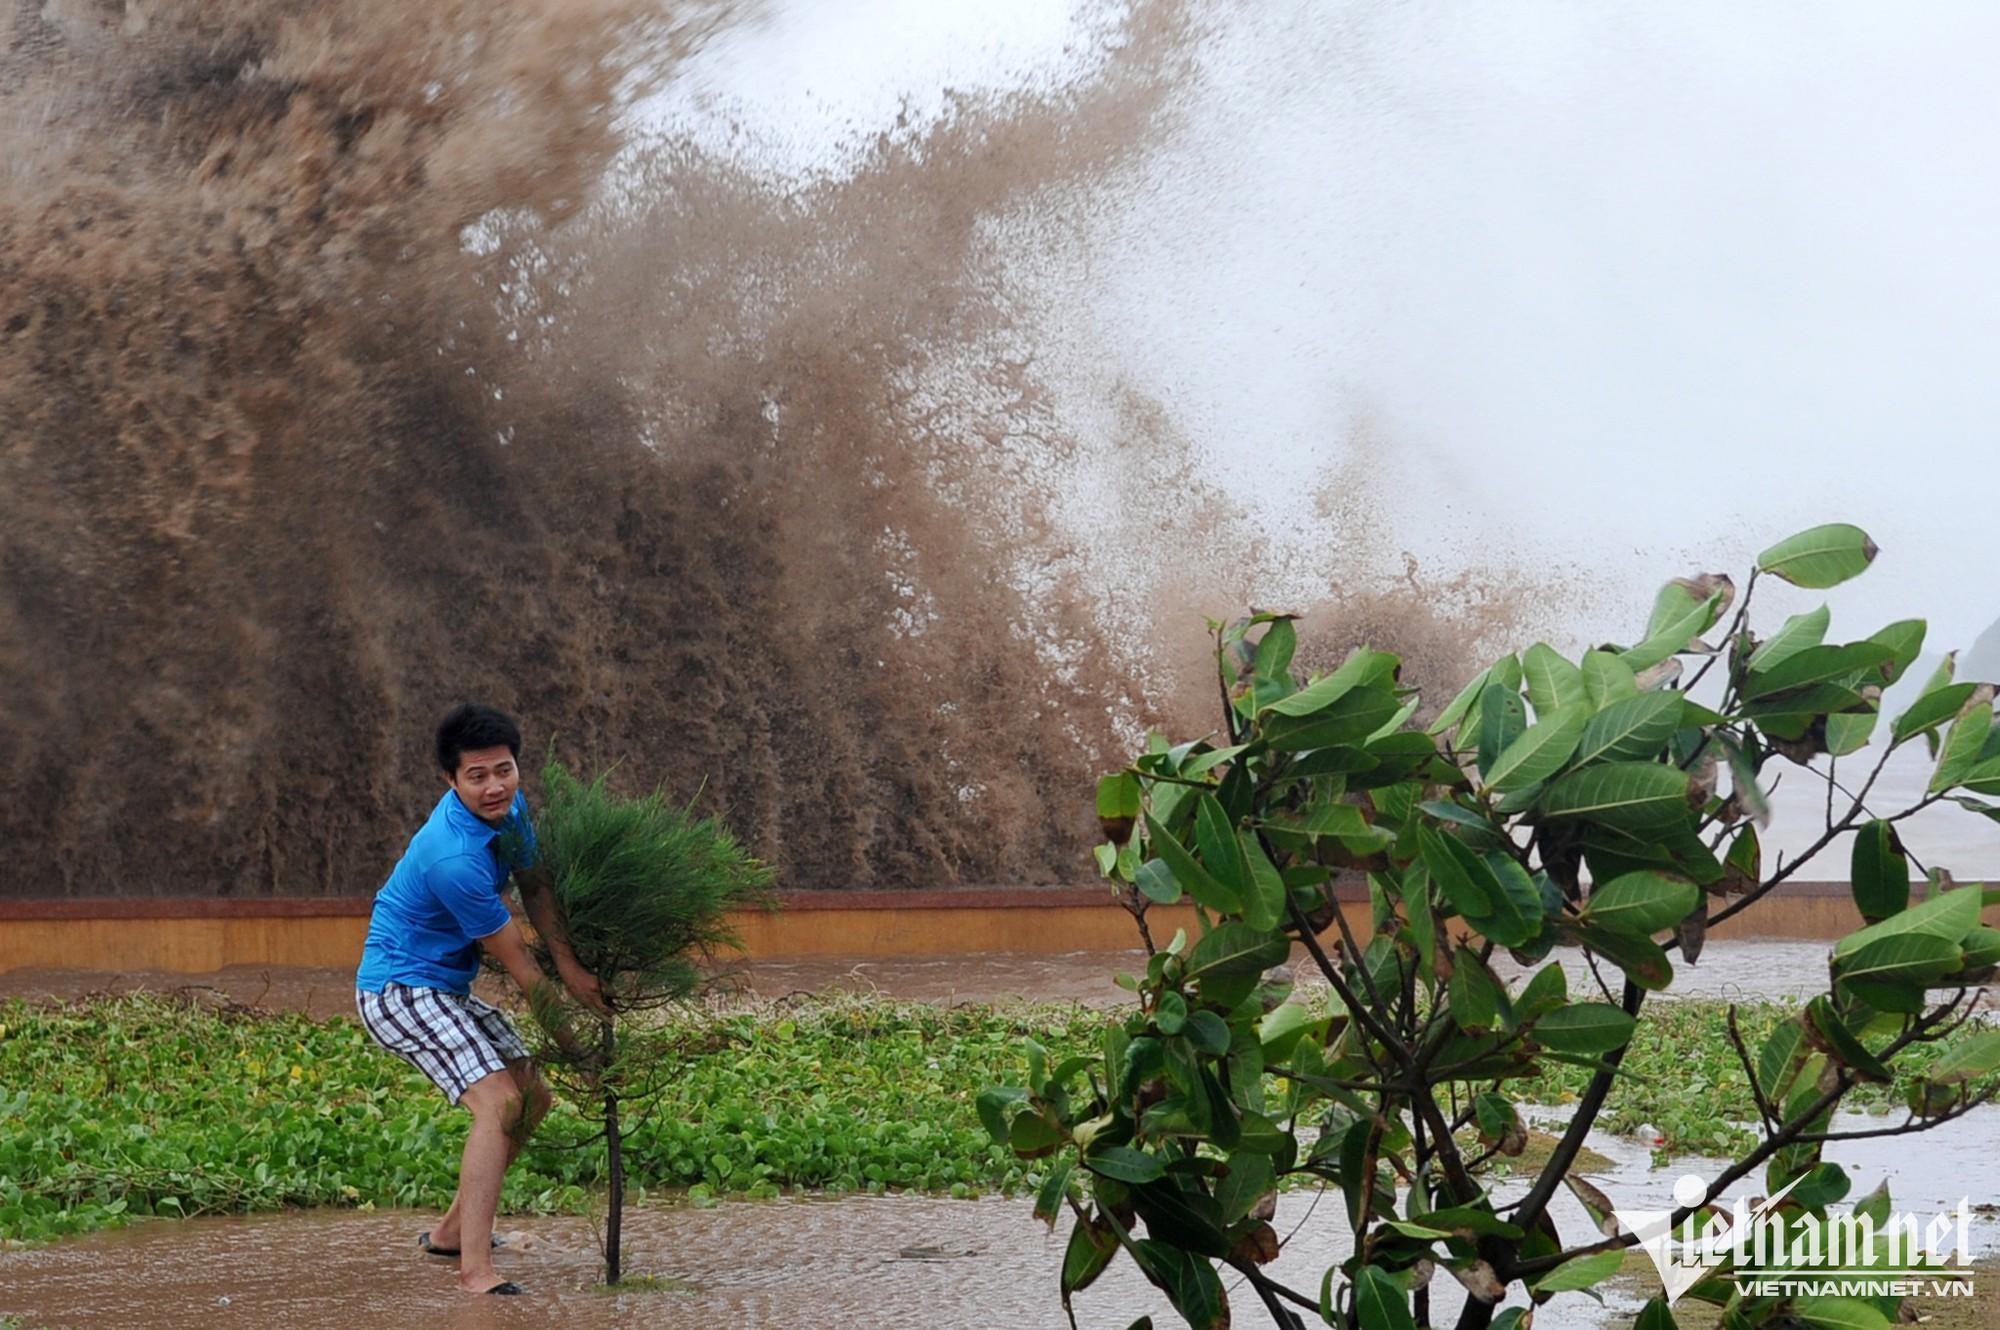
x=453 y=1038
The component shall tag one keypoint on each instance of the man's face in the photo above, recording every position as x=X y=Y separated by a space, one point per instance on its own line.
x=486 y=780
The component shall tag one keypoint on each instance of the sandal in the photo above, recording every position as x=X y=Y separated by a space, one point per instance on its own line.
x=425 y=1245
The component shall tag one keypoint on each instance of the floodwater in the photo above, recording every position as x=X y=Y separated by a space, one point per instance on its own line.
x=879 y=1261
x=1733 y=970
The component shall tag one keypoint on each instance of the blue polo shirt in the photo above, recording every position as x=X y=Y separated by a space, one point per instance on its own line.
x=444 y=893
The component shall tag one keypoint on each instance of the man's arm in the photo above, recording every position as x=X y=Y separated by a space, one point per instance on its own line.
x=510 y=948
x=540 y=903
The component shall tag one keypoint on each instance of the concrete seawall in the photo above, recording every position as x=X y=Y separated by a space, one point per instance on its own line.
x=199 y=936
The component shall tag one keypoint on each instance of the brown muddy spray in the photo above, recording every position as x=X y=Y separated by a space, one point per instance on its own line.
x=335 y=386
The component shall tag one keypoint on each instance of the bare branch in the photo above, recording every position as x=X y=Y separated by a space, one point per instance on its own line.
x=1269 y=1288
x=1909 y=1126
x=1767 y=1114
x=1925 y=1027
x=1532 y=1205
x=1359 y=1009
x=1786 y=870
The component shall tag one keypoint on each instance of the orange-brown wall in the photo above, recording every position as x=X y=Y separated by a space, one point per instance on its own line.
x=196 y=937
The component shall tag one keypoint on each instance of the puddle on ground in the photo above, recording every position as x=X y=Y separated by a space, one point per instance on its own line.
x=880 y=1261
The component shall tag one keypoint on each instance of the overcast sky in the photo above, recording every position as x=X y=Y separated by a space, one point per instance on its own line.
x=1651 y=284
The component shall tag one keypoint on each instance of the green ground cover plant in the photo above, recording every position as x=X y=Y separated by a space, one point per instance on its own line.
x=119 y=1108
x=125 y=1107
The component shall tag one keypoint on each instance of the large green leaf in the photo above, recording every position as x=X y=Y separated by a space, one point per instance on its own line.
x=1221 y=852
x=1631 y=796
x=1502 y=718
x=1515 y=916
x=1585 y=1027
x=1635 y=729
x=1118 y=797
x=1540 y=750
x=1905 y=639
x=1641 y=958
x=1197 y=881
x=1275 y=648
x=1984 y=778
x=1840 y=1314
x=1553 y=682
x=1673 y=632
x=1264 y=902
x=1982 y=948
x=1779 y=1060
x=1581 y=1272
x=1795 y=635
x=1249 y=1180
x=1504 y=673
x=1460 y=705
x=1655 y=1316
x=1381 y=1301
x=1790 y=715
x=1849 y=731
x=1462 y=875
x=1049 y=1199
x=1743 y=866
x=1962 y=746
x=1641 y=902
x=1607 y=679
x=1157 y=882
x=1232 y=949
x=1815 y=665
x=1327 y=817
x=1189 y=1282
x=1830 y=1034
x=1478 y=998
x=1121 y=1163
x=995 y=1106
x=1891 y=973
x=1879 y=874
x=1348 y=719
x=1471 y=1221
x=1977 y=1056
x=1824 y=556
x=1546 y=990
x=1365 y=666
x=1214 y=757
x=1950 y=915
x=1937 y=705
x=1090 y=1250
x=1281 y=1030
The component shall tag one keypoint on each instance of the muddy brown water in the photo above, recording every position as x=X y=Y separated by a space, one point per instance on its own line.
x=876 y=1261
x=1733 y=970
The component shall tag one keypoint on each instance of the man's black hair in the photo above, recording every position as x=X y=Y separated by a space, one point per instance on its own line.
x=471 y=726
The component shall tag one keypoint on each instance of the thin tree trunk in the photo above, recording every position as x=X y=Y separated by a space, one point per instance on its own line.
x=614 y=1222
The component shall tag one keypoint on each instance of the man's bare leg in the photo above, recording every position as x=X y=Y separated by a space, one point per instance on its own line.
x=535 y=1100
x=497 y=1118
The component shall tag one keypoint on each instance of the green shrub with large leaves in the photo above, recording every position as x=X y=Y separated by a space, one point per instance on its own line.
x=1587 y=807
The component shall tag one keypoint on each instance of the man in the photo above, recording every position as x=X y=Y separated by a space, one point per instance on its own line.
x=440 y=907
